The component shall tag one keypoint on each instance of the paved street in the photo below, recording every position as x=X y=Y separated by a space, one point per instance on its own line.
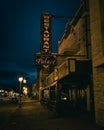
x=32 y=116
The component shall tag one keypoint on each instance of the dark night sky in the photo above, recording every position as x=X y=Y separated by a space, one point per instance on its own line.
x=20 y=34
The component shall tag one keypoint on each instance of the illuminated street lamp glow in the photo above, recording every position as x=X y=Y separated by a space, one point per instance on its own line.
x=25 y=90
x=20 y=79
x=24 y=81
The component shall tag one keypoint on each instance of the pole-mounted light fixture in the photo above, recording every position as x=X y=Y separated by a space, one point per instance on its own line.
x=20 y=79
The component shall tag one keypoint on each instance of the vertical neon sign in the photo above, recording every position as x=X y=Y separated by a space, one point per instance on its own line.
x=45 y=39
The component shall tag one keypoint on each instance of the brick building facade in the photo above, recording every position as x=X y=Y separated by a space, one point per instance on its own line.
x=77 y=79
x=97 y=42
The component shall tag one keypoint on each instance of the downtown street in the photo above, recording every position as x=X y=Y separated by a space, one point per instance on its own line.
x=33 y=116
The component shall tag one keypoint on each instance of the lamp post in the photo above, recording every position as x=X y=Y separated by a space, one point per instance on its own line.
x=20 y=79
x=25 y=87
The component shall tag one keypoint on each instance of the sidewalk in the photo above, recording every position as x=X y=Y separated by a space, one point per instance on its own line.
x=33 y=116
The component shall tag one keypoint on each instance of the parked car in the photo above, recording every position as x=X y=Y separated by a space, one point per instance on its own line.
x=5 y=99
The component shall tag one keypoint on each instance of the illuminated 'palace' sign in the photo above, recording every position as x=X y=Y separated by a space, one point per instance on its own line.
x=45 y=34
x=45 y=60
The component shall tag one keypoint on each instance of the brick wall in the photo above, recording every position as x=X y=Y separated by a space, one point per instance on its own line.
x=98 y=76
x=97 y=42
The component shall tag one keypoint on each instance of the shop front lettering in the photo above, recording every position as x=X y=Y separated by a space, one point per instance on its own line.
x=46 y=36
x=45 y=60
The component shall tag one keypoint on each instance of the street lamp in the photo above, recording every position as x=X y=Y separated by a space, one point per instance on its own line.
x=20 y=79
x=25 y=87
x=24 y=81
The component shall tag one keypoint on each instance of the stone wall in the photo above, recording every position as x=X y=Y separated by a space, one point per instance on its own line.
x=98 y=77
x=95 y=8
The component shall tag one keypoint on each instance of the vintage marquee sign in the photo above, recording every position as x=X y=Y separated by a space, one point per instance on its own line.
x=45 y=60
x=45 y=43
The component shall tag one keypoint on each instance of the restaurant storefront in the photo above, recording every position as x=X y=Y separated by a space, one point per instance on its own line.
x=68 y=87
